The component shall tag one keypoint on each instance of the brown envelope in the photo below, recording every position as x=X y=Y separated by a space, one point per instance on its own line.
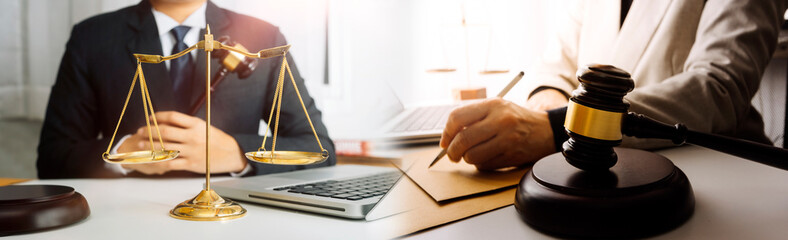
x=448 y=180
x=425 y=213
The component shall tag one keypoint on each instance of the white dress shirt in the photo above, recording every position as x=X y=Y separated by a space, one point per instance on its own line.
x=165 y=24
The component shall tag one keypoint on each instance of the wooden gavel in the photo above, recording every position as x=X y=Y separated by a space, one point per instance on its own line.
x=230 y=62
x=593 y=190
x=597 y=117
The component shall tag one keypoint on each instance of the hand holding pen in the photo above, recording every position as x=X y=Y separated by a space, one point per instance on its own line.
x=496 y=133
x=501 y=94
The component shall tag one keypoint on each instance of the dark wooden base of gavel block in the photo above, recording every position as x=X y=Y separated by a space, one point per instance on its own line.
x=31 y=208
x=644 y=194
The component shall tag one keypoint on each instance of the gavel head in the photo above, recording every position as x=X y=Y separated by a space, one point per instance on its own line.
x=235 y=62
x=594 y=115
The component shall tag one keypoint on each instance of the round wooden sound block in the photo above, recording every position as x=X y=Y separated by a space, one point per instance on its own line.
x=642 y=195
x=30 y=208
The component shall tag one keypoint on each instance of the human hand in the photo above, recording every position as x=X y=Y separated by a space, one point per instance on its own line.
x=546 y=99
x=187 y=134
x=497 y=133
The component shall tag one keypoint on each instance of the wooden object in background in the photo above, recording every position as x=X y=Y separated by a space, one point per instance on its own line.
x=469 y=93
x=31 y=208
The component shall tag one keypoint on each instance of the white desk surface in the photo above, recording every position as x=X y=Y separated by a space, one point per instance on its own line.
x=139 y=209
x=735 y=199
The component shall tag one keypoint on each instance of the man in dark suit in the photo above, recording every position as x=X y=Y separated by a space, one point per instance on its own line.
x=96 y=72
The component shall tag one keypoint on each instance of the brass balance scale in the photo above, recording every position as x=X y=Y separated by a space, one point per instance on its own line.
x=207 y=205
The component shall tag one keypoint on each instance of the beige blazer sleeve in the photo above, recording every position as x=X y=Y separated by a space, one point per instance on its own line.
x=693 y=62
x=733 y=44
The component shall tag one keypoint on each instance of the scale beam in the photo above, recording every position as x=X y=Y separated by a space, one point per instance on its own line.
x=262 y=54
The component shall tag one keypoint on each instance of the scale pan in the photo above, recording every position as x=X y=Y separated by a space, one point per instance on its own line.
x=287 y=157
x=141 y=157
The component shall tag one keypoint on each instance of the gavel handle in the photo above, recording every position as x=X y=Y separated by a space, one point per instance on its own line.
x=217 y=78
x=638 y=125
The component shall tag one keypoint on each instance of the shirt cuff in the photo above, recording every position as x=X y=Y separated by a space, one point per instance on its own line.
x=542 y=88
x=243 y=172
x=118 y=168
x=557 y=117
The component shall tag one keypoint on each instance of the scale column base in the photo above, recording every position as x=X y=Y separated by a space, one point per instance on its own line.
x=207 y=206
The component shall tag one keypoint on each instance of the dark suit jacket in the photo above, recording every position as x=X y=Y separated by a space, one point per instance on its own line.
x=96 y=72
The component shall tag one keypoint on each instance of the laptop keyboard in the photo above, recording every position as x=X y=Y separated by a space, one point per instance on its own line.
x=350 y=189
x=425 y=118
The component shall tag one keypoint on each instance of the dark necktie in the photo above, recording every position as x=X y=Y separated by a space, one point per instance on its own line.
x=625 y=5
x=181 y=70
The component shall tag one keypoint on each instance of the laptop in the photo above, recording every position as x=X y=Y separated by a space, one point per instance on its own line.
x=349 y=191
x=418 y=124
x=422 y=124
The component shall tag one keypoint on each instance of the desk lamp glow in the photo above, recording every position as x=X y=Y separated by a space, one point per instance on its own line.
x=207 y=205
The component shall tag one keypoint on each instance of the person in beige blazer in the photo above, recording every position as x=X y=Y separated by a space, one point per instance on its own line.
x=693 y=61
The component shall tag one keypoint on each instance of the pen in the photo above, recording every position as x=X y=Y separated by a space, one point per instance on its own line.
x=503 y=92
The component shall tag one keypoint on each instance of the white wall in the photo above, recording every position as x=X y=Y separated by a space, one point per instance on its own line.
x=381 y=44
x=11 y=50
x=373 y=44
x=502 y=34
x=34 y=41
